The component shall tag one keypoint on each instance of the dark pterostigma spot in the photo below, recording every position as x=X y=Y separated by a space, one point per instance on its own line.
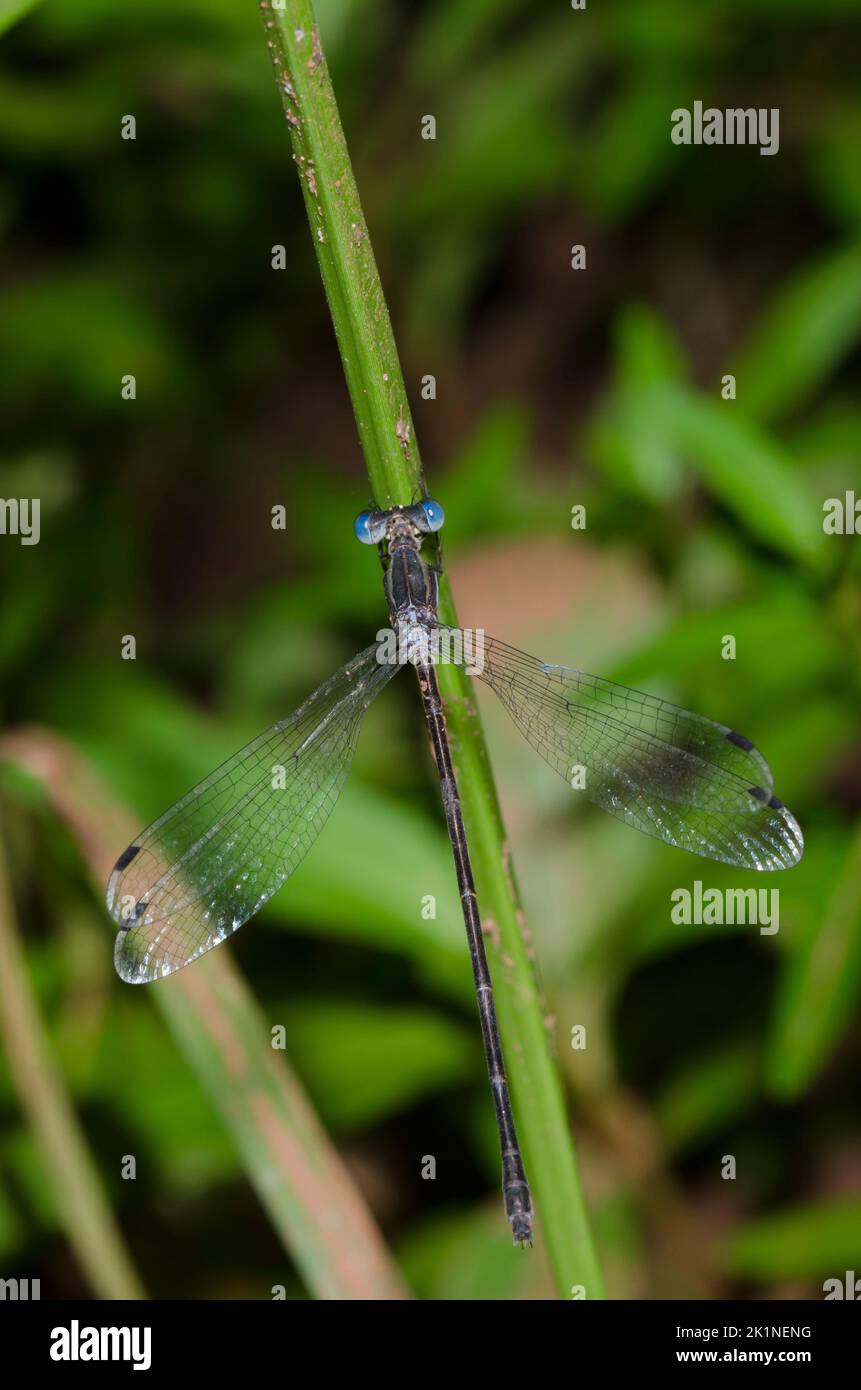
x=126 y=857
x=759 y=792
x=739 y=740
x=140 y=909
x=775 y=804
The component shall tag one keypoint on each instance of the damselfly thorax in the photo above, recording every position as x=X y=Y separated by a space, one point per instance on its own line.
x=410 y=583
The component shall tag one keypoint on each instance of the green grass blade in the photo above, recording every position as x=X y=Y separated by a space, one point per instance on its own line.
x=13 y=10
x=73 y=1174
x=298 y=1175
x=376 y=387
x=819 y=987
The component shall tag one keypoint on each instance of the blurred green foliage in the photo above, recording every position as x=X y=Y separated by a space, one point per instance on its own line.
x=554 y=387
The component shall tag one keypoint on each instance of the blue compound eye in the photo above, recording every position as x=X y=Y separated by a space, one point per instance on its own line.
x=370 y=527
x=433 y=514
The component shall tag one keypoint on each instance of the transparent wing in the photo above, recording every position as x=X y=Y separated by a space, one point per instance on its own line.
x=211 y=861
x=672 y=774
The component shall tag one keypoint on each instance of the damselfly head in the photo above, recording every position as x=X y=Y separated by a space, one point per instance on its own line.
x=426 y=516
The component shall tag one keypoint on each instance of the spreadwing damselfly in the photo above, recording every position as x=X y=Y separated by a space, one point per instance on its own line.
x=209 y=863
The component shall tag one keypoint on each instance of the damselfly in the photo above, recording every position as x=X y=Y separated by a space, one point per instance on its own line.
x=211 y=861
